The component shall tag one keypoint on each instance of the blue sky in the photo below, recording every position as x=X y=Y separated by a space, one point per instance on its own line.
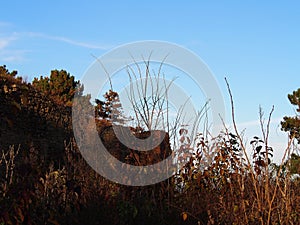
x=255 y=44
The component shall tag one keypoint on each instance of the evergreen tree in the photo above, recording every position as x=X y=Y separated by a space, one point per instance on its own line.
x=4 y=72
x=60 y=86
x=110 y=108
x=292 y=124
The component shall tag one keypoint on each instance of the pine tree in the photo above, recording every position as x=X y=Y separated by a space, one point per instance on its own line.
x=110 y=108
x=60 y=86
x=292 y=124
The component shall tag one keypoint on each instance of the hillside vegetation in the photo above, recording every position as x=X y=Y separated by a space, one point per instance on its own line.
x=45 y=180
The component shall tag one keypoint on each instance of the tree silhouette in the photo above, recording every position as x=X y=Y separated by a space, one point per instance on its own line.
x=110 y=108
x=291 y=124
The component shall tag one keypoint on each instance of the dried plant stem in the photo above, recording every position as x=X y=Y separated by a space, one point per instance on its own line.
x=255 y=183
x=9 y=160
x=266 y=172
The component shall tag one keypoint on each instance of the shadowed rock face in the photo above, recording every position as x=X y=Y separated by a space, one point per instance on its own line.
x=136 y=157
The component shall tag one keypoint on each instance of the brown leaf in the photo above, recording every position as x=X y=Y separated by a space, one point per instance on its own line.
x=184 y=216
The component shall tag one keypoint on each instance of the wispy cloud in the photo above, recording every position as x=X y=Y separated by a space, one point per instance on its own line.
x=257 y=122
x=6 y=41
x=13 y=55
x=69 y=41
x=4 y=24
x=9 y=53
x=6 y=53
x=6 y=38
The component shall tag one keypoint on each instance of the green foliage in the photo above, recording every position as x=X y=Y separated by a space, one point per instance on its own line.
x=295 y=99
x=292 y=124
x=5 y=72
x=294 y=164
x=6 y=75
x=60 y=86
